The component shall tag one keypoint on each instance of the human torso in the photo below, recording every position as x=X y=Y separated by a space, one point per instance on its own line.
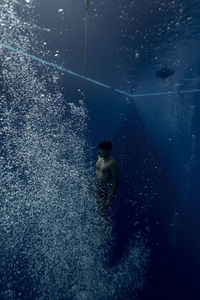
x=103 y=171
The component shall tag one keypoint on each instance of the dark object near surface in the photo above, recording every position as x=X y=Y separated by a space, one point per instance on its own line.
x=164 y=73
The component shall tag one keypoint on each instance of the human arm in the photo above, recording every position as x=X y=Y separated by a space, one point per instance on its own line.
x=115 y=177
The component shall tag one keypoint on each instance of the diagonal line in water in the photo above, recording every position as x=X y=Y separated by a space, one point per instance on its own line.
x=92 y=80
x=51 y=64
x=157 y=94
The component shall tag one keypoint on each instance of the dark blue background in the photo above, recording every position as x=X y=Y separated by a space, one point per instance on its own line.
x=151 y=148
x=156 y=140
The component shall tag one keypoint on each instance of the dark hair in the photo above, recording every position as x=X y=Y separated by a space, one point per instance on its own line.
x=105 y=145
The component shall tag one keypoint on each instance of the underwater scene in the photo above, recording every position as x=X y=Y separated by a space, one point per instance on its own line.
x=99 y=149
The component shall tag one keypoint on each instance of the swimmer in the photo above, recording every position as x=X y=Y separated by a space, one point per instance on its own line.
x=106 y=171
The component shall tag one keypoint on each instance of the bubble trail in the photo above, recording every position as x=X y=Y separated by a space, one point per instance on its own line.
x=92 y=80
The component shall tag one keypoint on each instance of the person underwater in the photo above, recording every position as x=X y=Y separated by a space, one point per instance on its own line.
x=104 y=191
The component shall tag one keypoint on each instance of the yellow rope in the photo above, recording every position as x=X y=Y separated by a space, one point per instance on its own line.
x=86 y=50
x=84 y=100
x=85 y=74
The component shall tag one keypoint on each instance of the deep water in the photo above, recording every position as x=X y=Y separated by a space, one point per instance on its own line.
x=48 y=137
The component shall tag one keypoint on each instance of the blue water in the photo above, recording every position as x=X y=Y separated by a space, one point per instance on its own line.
x=49 y=224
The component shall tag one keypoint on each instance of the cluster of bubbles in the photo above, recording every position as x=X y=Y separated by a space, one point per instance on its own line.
x=48 y=218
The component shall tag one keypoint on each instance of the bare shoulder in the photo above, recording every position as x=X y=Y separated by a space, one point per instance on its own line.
x=113 y=163
x=112 y=160
x=99 y=158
